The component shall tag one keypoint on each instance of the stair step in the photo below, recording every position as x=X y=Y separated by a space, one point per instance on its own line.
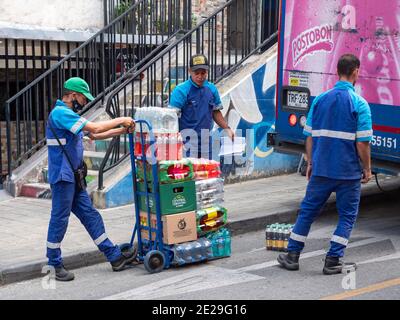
x=93 y=173
x=93 y=159
x=89 y=144
x=94 y=154
x=45 y=175
x=36 y=190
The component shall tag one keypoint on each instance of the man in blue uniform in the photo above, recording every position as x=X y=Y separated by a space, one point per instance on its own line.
x=198 y=104
x=339 y=131
x=67 y=126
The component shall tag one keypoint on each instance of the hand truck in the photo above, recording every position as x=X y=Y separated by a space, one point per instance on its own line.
x=155 y=255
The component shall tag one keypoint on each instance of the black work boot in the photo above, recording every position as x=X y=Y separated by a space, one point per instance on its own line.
x=289 y=261
x=63 y=274
x=333 y=265
x=125 y=259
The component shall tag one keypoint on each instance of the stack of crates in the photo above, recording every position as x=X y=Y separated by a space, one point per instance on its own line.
x=191 y=196
x=176 y=185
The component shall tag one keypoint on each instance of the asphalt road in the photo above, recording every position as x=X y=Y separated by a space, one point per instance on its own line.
x=251 y=273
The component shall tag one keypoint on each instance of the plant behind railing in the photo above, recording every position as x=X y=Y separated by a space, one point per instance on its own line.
x=228 y=37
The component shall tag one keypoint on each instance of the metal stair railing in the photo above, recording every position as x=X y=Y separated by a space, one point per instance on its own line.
x=126 y=43
x=228 y=37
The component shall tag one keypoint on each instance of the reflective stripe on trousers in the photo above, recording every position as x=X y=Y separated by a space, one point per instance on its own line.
x=64 y=200
x=347 y=202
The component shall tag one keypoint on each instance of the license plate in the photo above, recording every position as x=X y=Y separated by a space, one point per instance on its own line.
x=297 y=99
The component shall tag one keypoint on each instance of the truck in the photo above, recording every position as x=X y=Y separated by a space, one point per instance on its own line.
x=313 y=34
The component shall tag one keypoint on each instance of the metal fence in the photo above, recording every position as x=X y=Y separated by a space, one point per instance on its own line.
x=228 y=37
x=125 y=44
x=21 y=61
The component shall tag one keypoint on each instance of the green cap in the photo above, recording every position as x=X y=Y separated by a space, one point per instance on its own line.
x=79 y=85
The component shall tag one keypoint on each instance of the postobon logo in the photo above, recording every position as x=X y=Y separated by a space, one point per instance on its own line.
x=182 y=224
x=312 y=40
x=179 y=201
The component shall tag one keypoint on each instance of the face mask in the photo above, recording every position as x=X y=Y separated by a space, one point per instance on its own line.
x=76 y=107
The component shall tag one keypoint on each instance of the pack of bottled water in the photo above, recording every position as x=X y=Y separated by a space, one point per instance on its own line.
x=191 y=252
x=220 y=243
x=209 y=193
x=162 y=120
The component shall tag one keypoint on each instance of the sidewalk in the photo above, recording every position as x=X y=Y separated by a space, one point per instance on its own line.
x=251 y=205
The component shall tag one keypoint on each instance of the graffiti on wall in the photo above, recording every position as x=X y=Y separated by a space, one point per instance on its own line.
x=250 y=109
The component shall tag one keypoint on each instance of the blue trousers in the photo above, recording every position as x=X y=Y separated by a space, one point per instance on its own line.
x=347 y=203
x=64 y=200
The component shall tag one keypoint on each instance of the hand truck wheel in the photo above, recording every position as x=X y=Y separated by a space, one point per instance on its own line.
x=129 y=251
x=154 y=261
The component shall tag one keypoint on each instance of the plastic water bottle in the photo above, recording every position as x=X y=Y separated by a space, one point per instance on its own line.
x=227 y=236
x=189 y=252
x=197 y=251
x=178 y=255
x=207 y=245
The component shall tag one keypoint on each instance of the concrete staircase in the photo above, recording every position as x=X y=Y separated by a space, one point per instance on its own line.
x=93 y=156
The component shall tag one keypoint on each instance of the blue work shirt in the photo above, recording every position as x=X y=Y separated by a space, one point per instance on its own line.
x=196 y=105
x=338 y=119
x=68 y=128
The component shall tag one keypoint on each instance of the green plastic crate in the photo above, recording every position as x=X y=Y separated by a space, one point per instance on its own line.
x=174 y=197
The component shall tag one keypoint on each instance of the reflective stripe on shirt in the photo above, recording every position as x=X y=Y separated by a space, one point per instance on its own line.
x=334 y=134
x=78 y=125
x=364 y=134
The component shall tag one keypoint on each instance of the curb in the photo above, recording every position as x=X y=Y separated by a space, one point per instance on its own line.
x=289 y=216
x=32 y=270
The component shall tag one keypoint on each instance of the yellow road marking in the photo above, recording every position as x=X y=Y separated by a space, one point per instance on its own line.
x=357 y=292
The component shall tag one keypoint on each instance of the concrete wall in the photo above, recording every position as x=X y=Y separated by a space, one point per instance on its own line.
x=53 y=14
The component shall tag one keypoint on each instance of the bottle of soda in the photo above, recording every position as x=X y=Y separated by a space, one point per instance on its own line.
x=179 y=147
x=281 y=238
x=274 y=237
x=286 y=235
x=268 y=237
